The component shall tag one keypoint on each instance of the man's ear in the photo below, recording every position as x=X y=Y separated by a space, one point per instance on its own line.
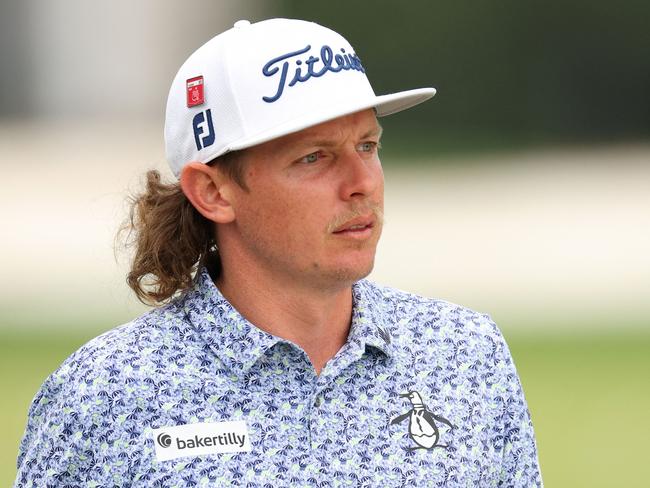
x=208 y=189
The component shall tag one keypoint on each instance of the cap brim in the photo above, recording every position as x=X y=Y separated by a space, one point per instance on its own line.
x=396 y=102
x=383 y=104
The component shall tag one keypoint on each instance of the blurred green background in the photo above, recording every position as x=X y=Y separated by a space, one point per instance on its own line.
x=522 y=189
x=507 y=72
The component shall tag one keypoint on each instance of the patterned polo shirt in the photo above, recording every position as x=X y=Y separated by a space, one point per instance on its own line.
x=423 y=393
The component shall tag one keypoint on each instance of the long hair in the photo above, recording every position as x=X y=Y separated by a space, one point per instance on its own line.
x=169 y=237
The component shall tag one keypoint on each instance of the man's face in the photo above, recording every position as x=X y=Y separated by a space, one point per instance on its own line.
x=313 y=209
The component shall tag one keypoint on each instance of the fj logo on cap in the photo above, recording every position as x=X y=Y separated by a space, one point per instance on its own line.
x=203 y=129
x=195 y=91
x=201 y=439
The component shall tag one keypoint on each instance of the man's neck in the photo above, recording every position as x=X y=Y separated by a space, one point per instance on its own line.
x=316 y=320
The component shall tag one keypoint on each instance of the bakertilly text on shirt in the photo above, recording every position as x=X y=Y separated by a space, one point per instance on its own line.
x=228 y=439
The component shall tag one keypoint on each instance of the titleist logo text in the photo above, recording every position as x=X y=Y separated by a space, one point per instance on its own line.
x=314 y=67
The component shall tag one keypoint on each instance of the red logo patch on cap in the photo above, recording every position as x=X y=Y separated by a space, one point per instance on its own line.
x=195 y=91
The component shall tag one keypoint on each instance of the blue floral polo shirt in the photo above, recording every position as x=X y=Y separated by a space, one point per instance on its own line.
x=423 y=393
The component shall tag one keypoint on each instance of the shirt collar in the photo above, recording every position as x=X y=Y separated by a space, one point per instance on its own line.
x=239 y=344
x=370 y=325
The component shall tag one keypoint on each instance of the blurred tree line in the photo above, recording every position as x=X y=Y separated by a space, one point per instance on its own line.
x=508 y=72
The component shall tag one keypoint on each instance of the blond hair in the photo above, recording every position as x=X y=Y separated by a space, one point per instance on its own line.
x=170 y=238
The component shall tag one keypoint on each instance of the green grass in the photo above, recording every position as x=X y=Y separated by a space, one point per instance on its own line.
x=590 y=400
x=588 y=396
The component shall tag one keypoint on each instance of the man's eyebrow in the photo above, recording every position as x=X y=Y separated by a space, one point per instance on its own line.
x=375 y=131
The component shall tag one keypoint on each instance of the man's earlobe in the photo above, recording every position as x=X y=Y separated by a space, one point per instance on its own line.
x=209 y=192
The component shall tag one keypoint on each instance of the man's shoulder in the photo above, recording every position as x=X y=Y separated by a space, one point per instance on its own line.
x=132 y=348
x=412 y=312
x=404 y=302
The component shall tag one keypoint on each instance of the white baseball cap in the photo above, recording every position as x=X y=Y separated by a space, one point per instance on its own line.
x=257 y=82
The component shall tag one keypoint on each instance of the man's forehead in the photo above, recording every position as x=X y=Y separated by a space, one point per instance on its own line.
x=359 y=124
x=354 y=126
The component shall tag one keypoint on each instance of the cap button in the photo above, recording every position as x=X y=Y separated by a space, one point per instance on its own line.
x=241 y=23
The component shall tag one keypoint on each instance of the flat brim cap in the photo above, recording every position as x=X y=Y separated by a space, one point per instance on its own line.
x=257 y=82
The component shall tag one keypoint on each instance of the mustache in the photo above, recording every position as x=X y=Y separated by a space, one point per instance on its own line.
x=359 y=211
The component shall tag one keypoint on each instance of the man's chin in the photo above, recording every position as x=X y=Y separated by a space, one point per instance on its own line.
x=346 y=275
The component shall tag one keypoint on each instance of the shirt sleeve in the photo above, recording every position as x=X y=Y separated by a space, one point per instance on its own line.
x=520 y=463
x=60 y=447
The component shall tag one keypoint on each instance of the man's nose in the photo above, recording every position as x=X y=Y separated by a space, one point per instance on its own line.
x=361 y=177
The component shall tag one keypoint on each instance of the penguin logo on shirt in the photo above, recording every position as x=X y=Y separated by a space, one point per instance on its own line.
x=422 y=423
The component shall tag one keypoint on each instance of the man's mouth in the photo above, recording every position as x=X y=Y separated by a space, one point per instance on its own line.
x=358 y=225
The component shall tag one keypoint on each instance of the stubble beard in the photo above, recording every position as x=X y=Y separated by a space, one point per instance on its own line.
x=318 y=274
x=346 y=275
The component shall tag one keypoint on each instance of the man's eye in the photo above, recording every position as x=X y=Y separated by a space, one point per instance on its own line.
x=367 y=146
x=311 y=158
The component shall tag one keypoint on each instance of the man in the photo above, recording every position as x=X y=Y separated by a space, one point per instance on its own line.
x=274 y=363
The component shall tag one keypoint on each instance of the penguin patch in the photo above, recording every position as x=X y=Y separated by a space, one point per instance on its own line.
x=423 y=429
